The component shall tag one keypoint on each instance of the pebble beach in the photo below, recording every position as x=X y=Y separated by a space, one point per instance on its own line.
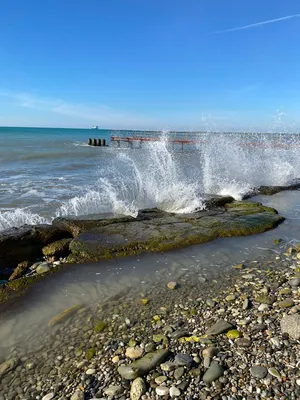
x=191 y=337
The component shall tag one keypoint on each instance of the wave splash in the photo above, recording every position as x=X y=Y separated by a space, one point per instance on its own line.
x=154 y=176
x=151 y=177
x=233 y=167
x=19 y=217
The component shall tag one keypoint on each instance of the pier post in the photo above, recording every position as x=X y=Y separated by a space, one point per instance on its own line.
x=103 y=142
x=90 y=142
x=94 y=142
x=98 y=142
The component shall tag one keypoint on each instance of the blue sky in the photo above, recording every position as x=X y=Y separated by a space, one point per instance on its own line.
x=161 y=64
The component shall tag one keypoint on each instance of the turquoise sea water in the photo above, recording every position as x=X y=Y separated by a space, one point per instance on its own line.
x=47 y=172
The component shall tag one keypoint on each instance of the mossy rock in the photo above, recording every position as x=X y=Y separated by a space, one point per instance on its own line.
x=90 y=353
x=60 y=248
x=101 y=325
x=63 y=316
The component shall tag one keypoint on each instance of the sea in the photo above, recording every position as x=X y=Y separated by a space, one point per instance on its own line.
x=47 y=173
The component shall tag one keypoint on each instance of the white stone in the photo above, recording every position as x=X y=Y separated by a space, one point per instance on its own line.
x=48 y=396
x=90 y=371
x=263 y=307
x=174 y=392
x=162 y=390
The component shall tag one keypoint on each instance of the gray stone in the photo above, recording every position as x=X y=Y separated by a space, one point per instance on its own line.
x=179 y=334
x=258 y=371
x=246 y=304
x=243 y=342
x=78 y=395
x=113 y=390
x=183 y=385
x=138 y=388
x=178 y=373
x=143 y=365
x=214 y=372
x=219 y=327
x=183 y=359
x=168 y=366
x=210 y=302
x=210 y=352
x=42 y=268
x=291 y=325
x=294 y=282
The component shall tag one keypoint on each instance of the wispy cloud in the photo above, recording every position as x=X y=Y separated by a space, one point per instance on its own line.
x=270 y=21
x=80 y=114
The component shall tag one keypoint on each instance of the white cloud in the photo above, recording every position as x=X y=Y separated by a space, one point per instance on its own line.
x=270 y=21
x=83 y=114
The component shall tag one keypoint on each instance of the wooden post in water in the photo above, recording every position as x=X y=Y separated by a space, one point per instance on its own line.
x=98 y=142
x=103 y=142
x=90 y=142
x=94 y=142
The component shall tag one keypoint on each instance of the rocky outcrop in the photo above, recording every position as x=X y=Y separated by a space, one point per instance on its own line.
x=26 y=243
x=60 y=248
x=157 y=231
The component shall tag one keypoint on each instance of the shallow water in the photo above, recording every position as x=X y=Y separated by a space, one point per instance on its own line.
x=98 y=282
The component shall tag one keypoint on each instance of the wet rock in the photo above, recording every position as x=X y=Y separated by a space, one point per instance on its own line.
x=26 y=243
x=43 y=268
x=219 y=327
x=143 y=365
x=291 y=324
x=214 y=372
x=138 y=388
x=21 y=270
x=63 y=316
x=172 y=285
x=60 y=248
x=113 y=390
x=8 y=366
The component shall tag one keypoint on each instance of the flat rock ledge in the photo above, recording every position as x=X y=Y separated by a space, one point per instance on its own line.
x=106 y=236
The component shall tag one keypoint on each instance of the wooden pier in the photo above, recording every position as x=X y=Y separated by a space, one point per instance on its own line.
x=181 y=139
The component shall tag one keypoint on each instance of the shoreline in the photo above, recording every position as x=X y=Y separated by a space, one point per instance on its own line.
x=84 y=351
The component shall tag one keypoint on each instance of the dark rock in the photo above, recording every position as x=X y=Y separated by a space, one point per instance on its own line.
x=21 y=270
x=26 y=243
x=182 y=359
x=258 y=371
x=219 y=327
x=214 y=372
x=60 y=248
x=155 y=230
x=143 y=365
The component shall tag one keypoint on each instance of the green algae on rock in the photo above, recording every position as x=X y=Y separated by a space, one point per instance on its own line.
x=162 y=231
